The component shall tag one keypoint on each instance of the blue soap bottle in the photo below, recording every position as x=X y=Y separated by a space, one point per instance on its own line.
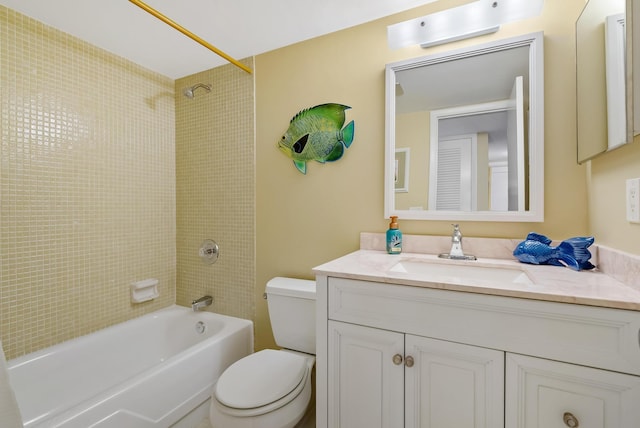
x=394 y=237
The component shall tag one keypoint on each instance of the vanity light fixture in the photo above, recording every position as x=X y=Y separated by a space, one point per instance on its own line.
x=462 y=22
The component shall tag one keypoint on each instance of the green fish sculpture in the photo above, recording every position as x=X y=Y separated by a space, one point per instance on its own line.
x=317 y=134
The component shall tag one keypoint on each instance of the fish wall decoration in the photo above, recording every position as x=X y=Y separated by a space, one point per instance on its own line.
x=317 y=134
x=573 y=252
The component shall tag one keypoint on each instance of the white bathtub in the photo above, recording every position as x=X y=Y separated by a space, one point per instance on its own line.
x=151 y=371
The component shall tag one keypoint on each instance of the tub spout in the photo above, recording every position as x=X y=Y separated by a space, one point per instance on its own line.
x=201 y=303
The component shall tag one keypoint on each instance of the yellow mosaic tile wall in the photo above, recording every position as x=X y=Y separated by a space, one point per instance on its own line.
x=87 y=186
x=215 y=185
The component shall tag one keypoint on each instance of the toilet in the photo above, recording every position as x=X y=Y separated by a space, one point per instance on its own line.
x=272 y=388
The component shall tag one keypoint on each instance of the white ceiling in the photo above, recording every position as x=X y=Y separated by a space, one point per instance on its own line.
x=240 y=28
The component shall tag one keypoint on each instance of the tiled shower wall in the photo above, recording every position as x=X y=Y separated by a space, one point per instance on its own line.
x=87 y=186
x=215 y=186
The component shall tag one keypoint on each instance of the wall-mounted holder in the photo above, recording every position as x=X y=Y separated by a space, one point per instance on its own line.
x=209 y=251
x=142 y=291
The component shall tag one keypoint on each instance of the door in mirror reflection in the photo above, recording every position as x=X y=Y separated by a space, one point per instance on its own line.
x=482 y=169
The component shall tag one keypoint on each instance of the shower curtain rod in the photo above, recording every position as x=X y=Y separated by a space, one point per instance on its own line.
x=189 y=34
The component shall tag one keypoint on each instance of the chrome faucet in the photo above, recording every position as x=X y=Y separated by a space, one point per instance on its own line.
x=456 y=252
x=201 y=303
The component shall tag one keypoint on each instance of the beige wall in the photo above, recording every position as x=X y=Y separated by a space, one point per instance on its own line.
x=215 y=176
x=412 y=132
x=607 y=204
x=87 y=186
x=305 y=220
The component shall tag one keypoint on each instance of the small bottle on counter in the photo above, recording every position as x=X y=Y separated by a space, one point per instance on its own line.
x=394 y=237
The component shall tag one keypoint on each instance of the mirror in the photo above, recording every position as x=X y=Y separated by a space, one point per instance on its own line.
x=603 y=78
x=464 y=137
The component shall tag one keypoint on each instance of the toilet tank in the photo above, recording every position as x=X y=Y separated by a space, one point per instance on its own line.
x=292 y=311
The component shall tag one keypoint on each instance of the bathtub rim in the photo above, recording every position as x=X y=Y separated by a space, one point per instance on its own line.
x=63 y=414
x=41 y=353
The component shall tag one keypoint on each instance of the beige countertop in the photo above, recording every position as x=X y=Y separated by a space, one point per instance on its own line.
x=549 y=283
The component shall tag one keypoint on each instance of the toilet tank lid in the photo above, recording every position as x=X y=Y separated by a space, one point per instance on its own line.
x=293 y=287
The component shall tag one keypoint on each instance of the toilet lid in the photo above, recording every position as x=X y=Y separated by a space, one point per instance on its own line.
x=260 y=379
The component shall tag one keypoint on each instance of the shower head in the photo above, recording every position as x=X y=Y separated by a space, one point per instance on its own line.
x=190 y=92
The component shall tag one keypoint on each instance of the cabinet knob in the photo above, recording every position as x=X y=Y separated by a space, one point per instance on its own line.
x=397 y=359
x=570 y=420
x=408 y=361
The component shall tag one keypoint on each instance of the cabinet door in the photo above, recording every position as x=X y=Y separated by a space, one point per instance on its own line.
x=453 y=385
x=366 y=384
x=548 y=394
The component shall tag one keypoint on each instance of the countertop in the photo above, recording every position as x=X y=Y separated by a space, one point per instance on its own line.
x=549 y=283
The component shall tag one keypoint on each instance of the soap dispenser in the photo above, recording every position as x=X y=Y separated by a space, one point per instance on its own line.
x=394 y=237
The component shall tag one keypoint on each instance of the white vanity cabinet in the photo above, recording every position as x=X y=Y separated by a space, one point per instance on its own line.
x=546 y=394
x=452 y=385
x=383 y=378
x=366 y=377
x=394 y=355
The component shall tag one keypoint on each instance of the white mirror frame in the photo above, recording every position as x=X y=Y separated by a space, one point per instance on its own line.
x=535 y=134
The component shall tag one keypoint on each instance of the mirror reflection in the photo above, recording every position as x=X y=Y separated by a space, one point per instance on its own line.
x=464 y=137
x=604 y=122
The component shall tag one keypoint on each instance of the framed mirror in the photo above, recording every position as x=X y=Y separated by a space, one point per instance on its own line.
x=472 y=120
x=603 y=78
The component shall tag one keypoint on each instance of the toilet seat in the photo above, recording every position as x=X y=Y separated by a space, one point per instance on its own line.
x=261 y=382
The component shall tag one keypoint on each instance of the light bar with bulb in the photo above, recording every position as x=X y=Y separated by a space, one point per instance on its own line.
x=462 y=22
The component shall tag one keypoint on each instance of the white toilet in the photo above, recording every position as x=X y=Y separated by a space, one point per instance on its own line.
x=270 y=388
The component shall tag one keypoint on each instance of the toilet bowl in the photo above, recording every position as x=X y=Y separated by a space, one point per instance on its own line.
x=272 y=388
x=268 y=389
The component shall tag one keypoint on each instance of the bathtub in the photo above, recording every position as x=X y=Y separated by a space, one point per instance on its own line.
x=152 y=371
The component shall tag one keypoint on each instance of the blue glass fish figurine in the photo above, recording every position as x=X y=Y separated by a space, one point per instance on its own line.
x=317 y=134
x=573 y=252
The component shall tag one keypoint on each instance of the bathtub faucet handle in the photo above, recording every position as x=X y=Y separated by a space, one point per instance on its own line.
x=201 y=303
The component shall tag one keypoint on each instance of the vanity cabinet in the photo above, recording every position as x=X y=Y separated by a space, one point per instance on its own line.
x=366 y=378
x=452 y=385
x=542 y=393
x=383 y=378
x=394 y=355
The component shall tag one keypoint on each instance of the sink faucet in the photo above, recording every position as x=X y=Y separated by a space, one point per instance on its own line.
x=456 y=242
x=456 y=252
x=201 y=303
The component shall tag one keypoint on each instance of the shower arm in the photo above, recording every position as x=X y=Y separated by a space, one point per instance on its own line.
x=201 y=85
x=191 y=91
x=189 y=34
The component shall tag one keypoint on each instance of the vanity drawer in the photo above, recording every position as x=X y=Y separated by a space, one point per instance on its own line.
x=592 y=336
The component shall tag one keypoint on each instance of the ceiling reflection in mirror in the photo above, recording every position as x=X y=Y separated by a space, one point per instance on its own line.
x=471 y=120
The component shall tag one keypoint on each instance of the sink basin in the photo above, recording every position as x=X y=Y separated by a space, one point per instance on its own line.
x=461 y=273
